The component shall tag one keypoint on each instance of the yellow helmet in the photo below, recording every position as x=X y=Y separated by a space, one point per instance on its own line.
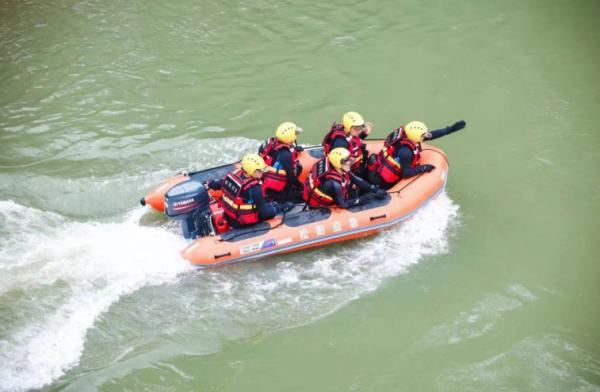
x=414 y=130
x=337 y=156
x=286 y=132
x=252 y=163
x=352 y=119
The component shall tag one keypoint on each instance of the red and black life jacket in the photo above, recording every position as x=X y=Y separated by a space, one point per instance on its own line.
x=354 y=143
x=275 y=178
x=235 y=202
x=322 y=171
x=387 y=166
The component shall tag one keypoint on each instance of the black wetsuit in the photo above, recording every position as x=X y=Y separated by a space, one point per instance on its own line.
x=265 y=210
x=334 y=189
x=342 y=142
x=404 y=156
x=292 y=190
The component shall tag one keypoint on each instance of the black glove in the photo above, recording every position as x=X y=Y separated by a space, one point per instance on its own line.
x=276 y=206
x=288 y=206
x=364 y=198
x=457 y=126
x=372 y=160
x=380 y=194
x=298 y=170
x=365 y=156
x=426 y=168
x=299 y=148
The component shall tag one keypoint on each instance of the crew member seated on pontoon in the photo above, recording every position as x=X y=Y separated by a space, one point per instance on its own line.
x=280 y=179
x=242 y=201
x=331 y=180
x=401 y=153
x=349 y=135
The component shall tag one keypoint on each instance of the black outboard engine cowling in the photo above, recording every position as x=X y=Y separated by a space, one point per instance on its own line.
x=188 y=202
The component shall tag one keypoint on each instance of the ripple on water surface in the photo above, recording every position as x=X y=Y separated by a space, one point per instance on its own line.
x=541 y=363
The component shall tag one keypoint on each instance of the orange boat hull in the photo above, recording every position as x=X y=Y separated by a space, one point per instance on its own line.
x=310 y=228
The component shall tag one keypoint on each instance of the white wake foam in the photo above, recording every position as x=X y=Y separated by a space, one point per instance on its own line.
x=314 y=283
x=88 y=266
x=93 y=264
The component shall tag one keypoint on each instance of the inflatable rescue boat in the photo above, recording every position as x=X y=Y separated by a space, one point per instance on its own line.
x=213 y=242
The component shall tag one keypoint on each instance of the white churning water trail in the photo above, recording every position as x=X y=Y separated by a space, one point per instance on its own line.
x=209 y=307
x=308 y=285
x=59 y=277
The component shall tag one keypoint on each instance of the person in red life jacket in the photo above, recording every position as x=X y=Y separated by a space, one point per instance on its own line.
x=401 y=153
x=280 y=180
x=349 y=135
x=243 y=202
x=331 y=180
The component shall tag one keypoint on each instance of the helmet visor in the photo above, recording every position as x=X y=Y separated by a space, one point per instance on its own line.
x=359 y=128
x=347 y=161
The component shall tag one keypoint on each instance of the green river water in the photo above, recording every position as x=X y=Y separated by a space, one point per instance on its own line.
x=493 y=286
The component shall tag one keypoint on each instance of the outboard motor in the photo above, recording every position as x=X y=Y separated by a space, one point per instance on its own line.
x=188 y=201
